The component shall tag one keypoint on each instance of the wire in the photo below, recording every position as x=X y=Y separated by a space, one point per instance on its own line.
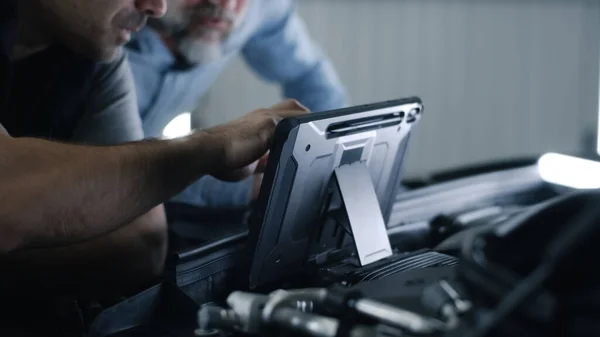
x=520 y=294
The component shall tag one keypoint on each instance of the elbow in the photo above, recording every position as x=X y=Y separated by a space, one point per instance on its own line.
x=157 y=253
x=152 y=233
x=12 y=232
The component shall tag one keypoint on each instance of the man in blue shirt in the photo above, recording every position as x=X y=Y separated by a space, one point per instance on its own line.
x=178 y=58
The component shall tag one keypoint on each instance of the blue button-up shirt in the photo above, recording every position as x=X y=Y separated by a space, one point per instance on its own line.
x=273 y=40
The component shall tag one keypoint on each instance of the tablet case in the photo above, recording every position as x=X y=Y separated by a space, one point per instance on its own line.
x=366 y=142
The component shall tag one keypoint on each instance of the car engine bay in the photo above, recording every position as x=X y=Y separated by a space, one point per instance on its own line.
x=465 y=265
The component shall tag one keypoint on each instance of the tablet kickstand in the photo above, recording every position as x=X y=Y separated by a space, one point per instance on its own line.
x=355 y=207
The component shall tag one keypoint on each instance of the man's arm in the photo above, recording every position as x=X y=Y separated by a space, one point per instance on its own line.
x=124 y=259
x=119 y=263
x=55 y=194
x=282 y=51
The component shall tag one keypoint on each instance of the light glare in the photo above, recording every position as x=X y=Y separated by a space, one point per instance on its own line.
x=569 y=171
x=180 y=126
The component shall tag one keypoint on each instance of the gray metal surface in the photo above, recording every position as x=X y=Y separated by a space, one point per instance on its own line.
x=364 y=214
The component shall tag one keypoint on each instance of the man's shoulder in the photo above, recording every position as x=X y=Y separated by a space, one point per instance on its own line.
x=270 y=10
x=267 y=15
x=275 y=5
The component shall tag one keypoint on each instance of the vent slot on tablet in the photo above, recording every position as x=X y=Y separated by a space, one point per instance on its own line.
x=364 y=124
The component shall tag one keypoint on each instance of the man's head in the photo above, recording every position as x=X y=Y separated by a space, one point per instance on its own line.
x=197 y=28
x=96 y=28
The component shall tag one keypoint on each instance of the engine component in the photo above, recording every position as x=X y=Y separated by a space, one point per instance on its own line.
x=533 y=286
x=293 y=311
x=526 y=276
x=444 y=300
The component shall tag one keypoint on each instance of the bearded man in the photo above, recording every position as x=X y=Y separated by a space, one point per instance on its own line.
x=178 y=57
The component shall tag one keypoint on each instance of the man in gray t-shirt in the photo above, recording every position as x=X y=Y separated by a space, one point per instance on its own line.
x=88 y=219
x=106 y=114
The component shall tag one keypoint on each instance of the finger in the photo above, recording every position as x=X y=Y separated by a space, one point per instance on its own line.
x=262 y=164
x=278 y=115
x=290 y=104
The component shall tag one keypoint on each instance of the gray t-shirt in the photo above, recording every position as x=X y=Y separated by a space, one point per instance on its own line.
x=111 y=114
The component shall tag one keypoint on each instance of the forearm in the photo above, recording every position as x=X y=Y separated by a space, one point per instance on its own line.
x=54 y=194
x=123 y=261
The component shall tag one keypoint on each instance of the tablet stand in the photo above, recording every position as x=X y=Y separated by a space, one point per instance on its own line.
x=354 y=205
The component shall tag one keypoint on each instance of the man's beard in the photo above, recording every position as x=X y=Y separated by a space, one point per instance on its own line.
x=194 y=49
x=197 y=51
